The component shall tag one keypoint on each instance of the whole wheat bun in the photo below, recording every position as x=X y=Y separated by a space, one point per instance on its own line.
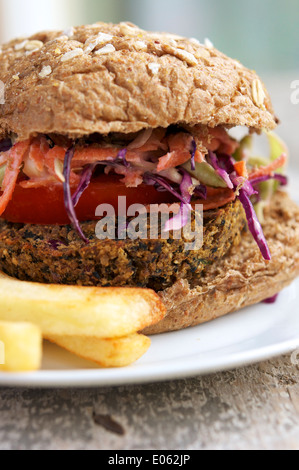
x=82 y=81
x=242 y=277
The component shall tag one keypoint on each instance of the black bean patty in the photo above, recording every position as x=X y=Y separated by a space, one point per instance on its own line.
x=55 y=254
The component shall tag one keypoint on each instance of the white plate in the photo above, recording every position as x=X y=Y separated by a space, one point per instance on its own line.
x=251 y=335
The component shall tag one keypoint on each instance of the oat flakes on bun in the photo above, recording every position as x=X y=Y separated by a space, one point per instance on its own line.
x=108 y=110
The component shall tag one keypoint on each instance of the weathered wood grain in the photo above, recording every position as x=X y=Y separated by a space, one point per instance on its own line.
x=255 y=407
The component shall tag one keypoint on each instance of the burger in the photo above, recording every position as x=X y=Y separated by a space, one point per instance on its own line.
x=106 y=111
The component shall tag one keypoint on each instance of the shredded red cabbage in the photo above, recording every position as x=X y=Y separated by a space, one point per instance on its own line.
x=119 y=160
x=84 y=183
x=160 y=183
x=226 y=162
x=194 y=148
x=246 y=184
x=271 y=300
x=254 y=224
x=89 y=169
x=181 y=219
x=183 y=194
x=5 y=145
x=220 y=171
x=56 y=243
x=247 y=190
x=178 y=221
x=223 y=165
x=201 y=191
x=68 y=202
x=282 y=179
x=122 y=157
x=186 y=185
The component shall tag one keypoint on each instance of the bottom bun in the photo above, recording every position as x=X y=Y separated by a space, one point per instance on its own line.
x=242 y=277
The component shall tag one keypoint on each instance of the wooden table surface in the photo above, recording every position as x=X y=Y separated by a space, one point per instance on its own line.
x=255 y=407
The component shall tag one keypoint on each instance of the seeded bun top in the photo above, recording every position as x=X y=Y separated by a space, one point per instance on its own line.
x=118 y=78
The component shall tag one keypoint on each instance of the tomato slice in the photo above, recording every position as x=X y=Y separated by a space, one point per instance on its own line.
x=45 y=205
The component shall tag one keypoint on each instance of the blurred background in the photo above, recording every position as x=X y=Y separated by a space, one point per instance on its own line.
x=263 y=35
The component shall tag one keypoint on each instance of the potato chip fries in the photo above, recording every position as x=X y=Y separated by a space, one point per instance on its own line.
x=21 y=349
x=79 y=311
x=115 y=352
x=96 y=323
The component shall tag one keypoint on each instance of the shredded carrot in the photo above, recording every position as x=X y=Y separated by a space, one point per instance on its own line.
x=241 y=169
x=38 y=183
x=49 y=161
x=173 y=159
x=16 y=157
x=219 y=139
x=267 y=170
x=199 y=157
x=180 y=147
x=36 y=154
x=93 y=154
x=4 y=157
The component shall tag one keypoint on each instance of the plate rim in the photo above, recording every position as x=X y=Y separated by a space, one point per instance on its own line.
x=90 y=378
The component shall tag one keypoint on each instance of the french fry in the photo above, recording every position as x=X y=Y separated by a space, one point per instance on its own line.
x=116 y=352
x=21 y=347
x=98 y=312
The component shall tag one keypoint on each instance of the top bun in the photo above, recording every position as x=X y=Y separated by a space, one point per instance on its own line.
x=118 y=78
